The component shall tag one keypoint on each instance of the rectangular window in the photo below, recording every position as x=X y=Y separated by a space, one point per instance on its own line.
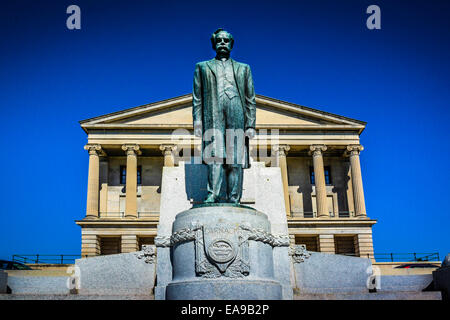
x=345 y=245
x=327 y=172
x=311 y=243
x=327 y=175
x=123 y=174
x=139 y=175
x=145 y=240
x=110 y=245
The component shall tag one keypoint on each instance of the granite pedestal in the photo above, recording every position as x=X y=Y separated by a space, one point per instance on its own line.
x=323 y=273
x=117 y=274
x=410 y=283
x=3 y=281
x=441 y=278
x=38 y=285
x=186 y=185
x=223 y=251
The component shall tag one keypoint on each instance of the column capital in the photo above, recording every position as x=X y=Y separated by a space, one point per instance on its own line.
x=131 y=149
x=168 y=149
x=317 y=149
x=94 y=149
x=281 y=149
x=354 y=149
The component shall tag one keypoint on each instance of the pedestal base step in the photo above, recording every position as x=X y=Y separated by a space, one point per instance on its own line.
x=403 y=295
x=224 y=290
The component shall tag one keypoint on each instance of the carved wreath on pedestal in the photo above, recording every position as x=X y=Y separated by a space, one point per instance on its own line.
x=299 y=253
x=148 y=253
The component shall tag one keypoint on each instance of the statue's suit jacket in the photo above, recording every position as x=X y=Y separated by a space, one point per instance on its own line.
x=205 y=98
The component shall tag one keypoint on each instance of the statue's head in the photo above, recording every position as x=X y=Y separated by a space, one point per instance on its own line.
x=222 y=41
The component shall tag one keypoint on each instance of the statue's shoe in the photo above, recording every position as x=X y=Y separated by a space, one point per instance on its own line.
x=233 y=200
x=211 y=199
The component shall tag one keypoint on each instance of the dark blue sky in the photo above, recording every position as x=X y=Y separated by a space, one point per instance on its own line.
x=315 y=53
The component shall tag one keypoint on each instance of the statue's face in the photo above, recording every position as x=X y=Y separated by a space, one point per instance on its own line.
x=223 y=42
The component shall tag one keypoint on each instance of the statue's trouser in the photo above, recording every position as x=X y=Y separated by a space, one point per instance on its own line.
x=233 y=173
x=233 y=122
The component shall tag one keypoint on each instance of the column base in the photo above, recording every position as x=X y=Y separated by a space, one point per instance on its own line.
x=90 y=217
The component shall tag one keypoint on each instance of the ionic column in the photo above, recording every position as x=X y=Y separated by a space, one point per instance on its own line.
x=132 y=151
x=358 y=192
x=168 y=151
x=92 y=205
x=280 y=153
x=319 y=179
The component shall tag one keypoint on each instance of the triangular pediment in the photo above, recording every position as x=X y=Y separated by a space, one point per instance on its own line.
x=169 y=116
x=177 y=113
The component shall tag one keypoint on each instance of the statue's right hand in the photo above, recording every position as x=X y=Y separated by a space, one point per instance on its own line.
x=198 y=132
x=198 y=129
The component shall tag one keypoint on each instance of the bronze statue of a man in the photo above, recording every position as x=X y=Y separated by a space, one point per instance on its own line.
x=224 y=116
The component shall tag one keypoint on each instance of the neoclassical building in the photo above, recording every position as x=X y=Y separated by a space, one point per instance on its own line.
x=317 y=153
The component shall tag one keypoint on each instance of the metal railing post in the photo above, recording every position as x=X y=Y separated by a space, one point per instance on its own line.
x=392 y=257
x=37 y=258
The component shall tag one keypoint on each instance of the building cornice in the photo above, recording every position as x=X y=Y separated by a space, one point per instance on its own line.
x=122 y=126
x=332 y=222
x=119 y=222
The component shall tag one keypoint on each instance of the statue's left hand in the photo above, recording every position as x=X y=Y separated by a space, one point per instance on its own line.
x=250 y=133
